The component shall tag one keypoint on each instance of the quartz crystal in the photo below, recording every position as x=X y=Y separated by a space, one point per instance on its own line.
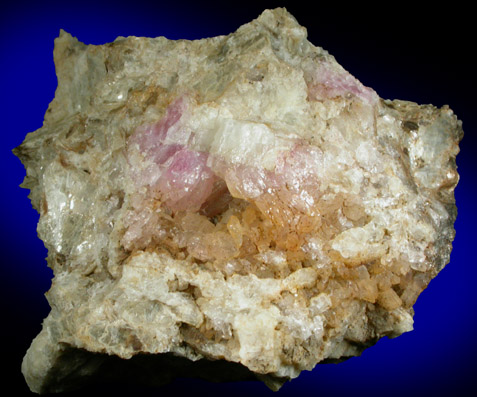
x=237 y=207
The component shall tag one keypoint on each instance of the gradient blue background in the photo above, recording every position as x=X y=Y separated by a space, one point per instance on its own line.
x=399 y=50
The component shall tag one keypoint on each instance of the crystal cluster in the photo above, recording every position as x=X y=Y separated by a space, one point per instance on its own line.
x=241 y=200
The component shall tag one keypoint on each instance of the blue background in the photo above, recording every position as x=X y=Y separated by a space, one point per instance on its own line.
x=399 y=50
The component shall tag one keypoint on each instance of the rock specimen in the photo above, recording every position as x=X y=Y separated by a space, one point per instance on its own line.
x=231 y=208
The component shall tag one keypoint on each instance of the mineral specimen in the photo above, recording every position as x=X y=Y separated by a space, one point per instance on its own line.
x=231 y=208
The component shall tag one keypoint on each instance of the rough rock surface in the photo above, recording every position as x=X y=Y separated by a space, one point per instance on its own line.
x=235 y=207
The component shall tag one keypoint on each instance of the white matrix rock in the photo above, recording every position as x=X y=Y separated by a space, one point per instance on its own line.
x=231 y=208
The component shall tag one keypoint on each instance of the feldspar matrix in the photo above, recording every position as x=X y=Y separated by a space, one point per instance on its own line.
x=231 y=208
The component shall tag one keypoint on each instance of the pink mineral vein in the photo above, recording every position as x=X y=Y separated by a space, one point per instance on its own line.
x=183 y=180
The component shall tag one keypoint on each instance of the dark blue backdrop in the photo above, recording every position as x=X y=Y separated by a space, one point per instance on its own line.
x=400 y=51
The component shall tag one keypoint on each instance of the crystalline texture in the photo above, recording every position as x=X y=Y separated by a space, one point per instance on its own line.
x=236 y=207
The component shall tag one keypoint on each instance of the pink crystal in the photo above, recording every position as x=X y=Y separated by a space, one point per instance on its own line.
x=187 y=182
x=326 y=82
x=176 y=174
